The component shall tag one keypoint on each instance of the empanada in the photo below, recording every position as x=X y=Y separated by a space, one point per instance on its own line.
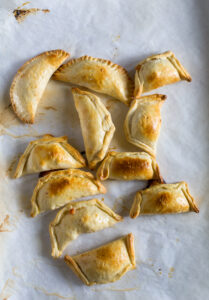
x=60 y=187
x=128 y=166
x=158 y=70
x=30 y=82
x=96 y=124
x=163 y=199
x=48 y=153
x=99 y=75
x=105 y=264
x=77 y=218
x=143 y=122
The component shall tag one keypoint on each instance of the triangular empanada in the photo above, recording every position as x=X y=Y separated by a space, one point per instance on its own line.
x=105 y=264
x=77 y=218
x=143 y=122
x=158 y=70
x=99 y=75
x=128 y=166
x=30 y=82
x=60 y=187
x=163 y=199
x=48 y=153
x=96 y=124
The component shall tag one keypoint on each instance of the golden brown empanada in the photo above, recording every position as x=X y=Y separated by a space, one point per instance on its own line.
x=96 y=124
x=143 y=122
x=77 y=218
x=163 y=199
x=48 y=153
x=60 y=187
x=30 y=82
x=99 y=75
x=158 y=70
x=105 y=264
x=128 y=166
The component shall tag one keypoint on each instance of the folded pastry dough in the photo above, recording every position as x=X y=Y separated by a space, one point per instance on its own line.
x=158 y=70
x=99 y=75
x=128 y=166
x=96 y=124
x=48 y=153
x=60 y=187
x=30 y=82
x=163 y=199
x=77 y=218
x=143 y=122
x=105 y=264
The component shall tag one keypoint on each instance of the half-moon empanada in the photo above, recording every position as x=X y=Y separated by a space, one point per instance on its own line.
x=77 y=218
x=48 y=153
x=105 y=264
x=60 y=187
x=163 y=199
x=99 y=75
x=143 y=122
x=158 y=70
x=30 y=82
x=96 y=124
x=128 y=166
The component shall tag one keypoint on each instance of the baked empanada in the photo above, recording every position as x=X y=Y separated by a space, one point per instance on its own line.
x=48 y=153
x=163 y=199
x=96 y=124
x=60 y=187
x=158 y=70
x=143 y=122
x=77 y=218
x=99 y=75
x=105 y=264
x=30 y=82
x=128 y=166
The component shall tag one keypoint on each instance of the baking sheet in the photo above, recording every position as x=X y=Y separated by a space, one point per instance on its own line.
x=172 y=251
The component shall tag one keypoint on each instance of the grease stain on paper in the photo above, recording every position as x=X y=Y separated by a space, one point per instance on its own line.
x=4 y=226
x=6 y=292
x=170 y=274
x=50 y=108
x=7 y=118
x=117 y=290
x=20 y=14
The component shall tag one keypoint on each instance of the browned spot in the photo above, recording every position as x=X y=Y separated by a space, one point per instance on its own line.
x=129 y=166
x=150 y=125
x=72 y=211
x=50 y=108
x=4 y=224
x=85 y=218
x=94 y=75
x=163 y=199
x=21 y=14
x=58 y=186
x=46 y=153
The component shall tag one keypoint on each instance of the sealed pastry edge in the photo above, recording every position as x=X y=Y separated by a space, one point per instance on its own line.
x=92 y=202
x=128 y=239
x=47 y=137
x=34 y=207
x=135 y=208
x=108 y=135
x=19 y=72
x=141 y=145
x=139 y=81
x=103 y=61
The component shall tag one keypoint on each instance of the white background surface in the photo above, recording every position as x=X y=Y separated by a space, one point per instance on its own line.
x=172 y=251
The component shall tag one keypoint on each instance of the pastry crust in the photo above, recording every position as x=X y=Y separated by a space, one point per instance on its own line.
x=163 y=199
x=96 y=124
x=30 y=82
x=129 y=166
x=105 y=264
x=60 y=187
x=78 y=218
x=158 y=70
x=48 y=153
x=143 y=122
x=99 y=75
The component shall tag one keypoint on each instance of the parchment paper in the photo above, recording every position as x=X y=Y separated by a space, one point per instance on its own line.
x=172 y=251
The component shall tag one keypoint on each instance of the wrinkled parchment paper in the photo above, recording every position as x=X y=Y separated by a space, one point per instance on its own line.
x=172 y=251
